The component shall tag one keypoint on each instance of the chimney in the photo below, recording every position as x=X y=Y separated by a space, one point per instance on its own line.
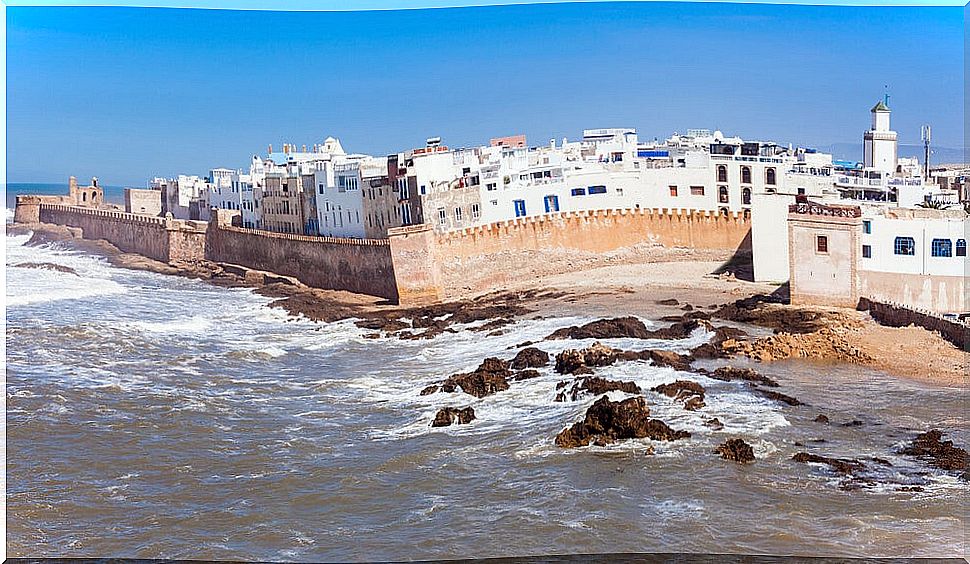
x=269 y=149
x=304 y=148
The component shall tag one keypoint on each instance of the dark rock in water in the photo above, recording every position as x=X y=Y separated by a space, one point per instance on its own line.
x=909 y=489
x=882 y=461
x=798 y=444
x=389 y=325
x=729 y=373
x=491 y=377
x=696 y=314
x=821 y=419
x=687 y=307
x=530 y=357
x=707 y=350
x=429 y=390
x=723 y=333
x=608 y=421
x=525 y=375
x=372 y=336
x=571 y=361
x=666 y=358
x=604 y=329
x=942 y=454
x=736 y=450
x=562 y=384
x=595 y=386
x=678 y=329
x=840 y=465
x=691 y=393
x=778 y=396
x=47 y=266
x=853 y=423
x=451 y=415
x=668 y=302
x=714 y=424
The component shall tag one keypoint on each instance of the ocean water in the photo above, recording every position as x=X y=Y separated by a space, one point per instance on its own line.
x=159 y=417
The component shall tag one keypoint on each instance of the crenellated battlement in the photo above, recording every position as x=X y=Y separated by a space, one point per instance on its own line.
x=306 y=238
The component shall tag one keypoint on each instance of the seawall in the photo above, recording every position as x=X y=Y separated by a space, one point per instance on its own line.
x=361 y=266
x=162 y=239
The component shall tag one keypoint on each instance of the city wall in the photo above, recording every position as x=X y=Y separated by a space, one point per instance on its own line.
x=361 y=266
x=162 y=239
x=897 y=315
x=478 y=258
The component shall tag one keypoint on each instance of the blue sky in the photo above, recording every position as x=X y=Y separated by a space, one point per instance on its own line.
x=128 y=93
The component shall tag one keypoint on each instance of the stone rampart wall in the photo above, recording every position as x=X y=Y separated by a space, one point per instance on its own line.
x=362 y=266
x=897 y=315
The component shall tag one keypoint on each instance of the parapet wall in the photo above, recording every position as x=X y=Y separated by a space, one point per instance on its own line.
x=162 y=239
x=897 y=315
x=362 y=266
x=479 y=258
x=600 y=231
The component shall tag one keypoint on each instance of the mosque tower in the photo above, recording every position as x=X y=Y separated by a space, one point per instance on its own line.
x=880 y=141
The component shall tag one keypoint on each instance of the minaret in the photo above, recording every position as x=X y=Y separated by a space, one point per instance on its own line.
x=880 y=141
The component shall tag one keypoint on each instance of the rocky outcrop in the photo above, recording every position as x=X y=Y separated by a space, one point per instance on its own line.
x=530 y=357
x=668 y=302
x=47 y=266
x=608 y=421
x=826 y=344
x=592 y=385
x=604 y=329
x=941 y=454
x=572 y=361
x=839 y=465
x=690 y=393
x=736 y=450
x=778 y=396
x=821 y=418
x=674 y=360
x=714 y=424
x=525 y=375
x=429 y=390
x=731 y=373
x=451 y=415
x=491 y=377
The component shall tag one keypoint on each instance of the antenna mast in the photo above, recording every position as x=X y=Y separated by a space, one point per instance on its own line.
x=926 y=134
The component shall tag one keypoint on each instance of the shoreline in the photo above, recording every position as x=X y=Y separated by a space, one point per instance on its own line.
x=631 y=286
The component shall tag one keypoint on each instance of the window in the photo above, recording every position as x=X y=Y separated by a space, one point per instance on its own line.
x=578 y=192
x=770 y=176
x=722 y=194
x=961 y=247
x=866 y=226
x=476 y=211
x=722 y=173
x=423 y=191
x=746 y=196
x=942 y=248
x=405 y=214
x=519 y=207
x=745 y=175
x=866 y=251
x=821 y=244
x=801 y=191
x=552 y=203
x=490 y=186
x=596 y=190
x=696 y=190
x=442 y=217
x=904 y=246
x=458 y=214
x=673 y=191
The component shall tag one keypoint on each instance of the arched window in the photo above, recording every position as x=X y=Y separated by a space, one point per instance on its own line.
x=722 y=194
x=724 y=211
x=746 y=175
x=746 y=196
x=961 y=247
x=84 y=196
x=721 y=173
x=770 y=176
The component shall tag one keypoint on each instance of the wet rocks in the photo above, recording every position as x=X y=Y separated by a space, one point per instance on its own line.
x=731 y=373
x=47 y=266
x=572 y=361
x=451 y=415
x=491 y=377
x=691 y=393
x=668 y=302
x=429 y=390
x=778 y=396
x=525 y=375
x=736 y=450
x=839 y=465
x=593 y=385
x=530 y=357
x=666 y=358
x=608 y=421
x=714 y=424
x=941 y=454
x=822 y=418
x=604 y=329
